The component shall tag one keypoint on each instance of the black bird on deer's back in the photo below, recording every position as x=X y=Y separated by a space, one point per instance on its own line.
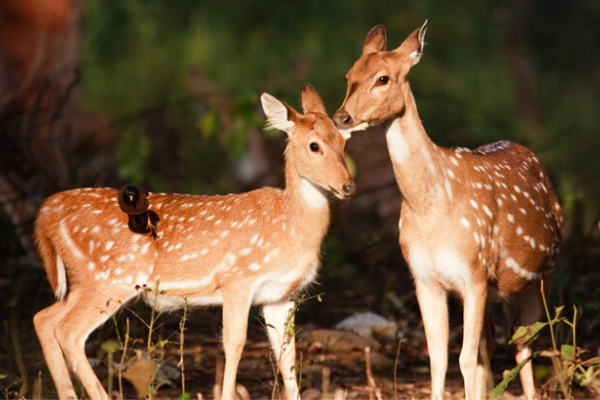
x=133 y=201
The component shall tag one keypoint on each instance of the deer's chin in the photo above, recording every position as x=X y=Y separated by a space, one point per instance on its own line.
x=338 y=195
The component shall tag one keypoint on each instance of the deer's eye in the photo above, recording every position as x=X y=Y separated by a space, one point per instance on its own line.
x=383 y=80
x=314 y=147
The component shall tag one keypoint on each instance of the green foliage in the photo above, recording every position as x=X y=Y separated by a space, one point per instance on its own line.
x=509 y=72
x=508 y=376
x=133 y=155
x=568 y=366
x=524 y=335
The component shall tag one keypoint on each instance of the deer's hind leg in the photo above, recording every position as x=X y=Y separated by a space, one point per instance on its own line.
x=83 y=312
x=45 y=321
x=528 y=309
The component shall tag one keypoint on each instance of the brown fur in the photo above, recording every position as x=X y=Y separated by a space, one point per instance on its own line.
x=472 y=221
x=260 y=247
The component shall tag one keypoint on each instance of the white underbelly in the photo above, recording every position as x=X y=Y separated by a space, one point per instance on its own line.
x=443 y=264
x=280 y=284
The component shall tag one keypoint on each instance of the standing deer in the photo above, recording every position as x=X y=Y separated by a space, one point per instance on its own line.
x=483 y=223
x=260 y=247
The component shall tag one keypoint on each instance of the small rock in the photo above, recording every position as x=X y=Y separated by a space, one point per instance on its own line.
x=369 y=324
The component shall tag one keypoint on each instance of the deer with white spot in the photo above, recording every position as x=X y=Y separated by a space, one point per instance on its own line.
x=260 y=247
x=483 y=223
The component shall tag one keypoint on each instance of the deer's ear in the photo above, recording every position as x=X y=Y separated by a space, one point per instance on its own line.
x=311 y=101
x=414 y=43
x=376 y=40
x=279 y=115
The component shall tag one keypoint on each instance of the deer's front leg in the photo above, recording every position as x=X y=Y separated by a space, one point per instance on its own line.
x=434 y=311
x=475 y=298
x=278 y=317
x=235 y=326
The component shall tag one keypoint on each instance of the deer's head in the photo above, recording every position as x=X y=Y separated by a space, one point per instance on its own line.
x=315 y=150
x=377 y=80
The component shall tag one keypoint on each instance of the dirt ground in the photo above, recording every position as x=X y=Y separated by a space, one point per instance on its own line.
x=400 y=366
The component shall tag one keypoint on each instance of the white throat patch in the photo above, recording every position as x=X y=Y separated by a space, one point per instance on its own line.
x=397 y=144
x=313 y=195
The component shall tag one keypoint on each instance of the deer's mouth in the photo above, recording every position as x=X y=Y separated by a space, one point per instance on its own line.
x=347 y=191
x=346 y=133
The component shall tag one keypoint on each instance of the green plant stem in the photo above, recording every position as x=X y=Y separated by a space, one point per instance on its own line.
x=181 y=340
x=151 y=325
x=550 y=321
x=555 y=362
x=123 y=360
x=115 y=322
x=111 y=373
x=574 y=328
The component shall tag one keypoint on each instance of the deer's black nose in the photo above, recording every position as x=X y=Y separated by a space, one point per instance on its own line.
x=349 y=189
x=342 y=119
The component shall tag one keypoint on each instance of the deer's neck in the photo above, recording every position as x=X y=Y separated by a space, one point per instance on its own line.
x=416 y=159
x=307 y=209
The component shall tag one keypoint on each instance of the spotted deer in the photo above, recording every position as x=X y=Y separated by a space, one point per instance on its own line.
x=260 y=247
x=483 y=223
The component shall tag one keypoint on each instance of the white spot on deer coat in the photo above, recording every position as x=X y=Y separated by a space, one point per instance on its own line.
x=516 y=268
x=448 y=188
x=254 y=267
x=109 y=245
x=487 y=211
x=68 y=241
x=144 y=248
x=465 y=222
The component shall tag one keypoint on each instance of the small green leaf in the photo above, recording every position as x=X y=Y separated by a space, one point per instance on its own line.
x=185 y=396
x=567 y=351
x=508 y=376
x=319 y=298
x=527 y=334
x=110 y=346
x=2 y=376
x=589 y=376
